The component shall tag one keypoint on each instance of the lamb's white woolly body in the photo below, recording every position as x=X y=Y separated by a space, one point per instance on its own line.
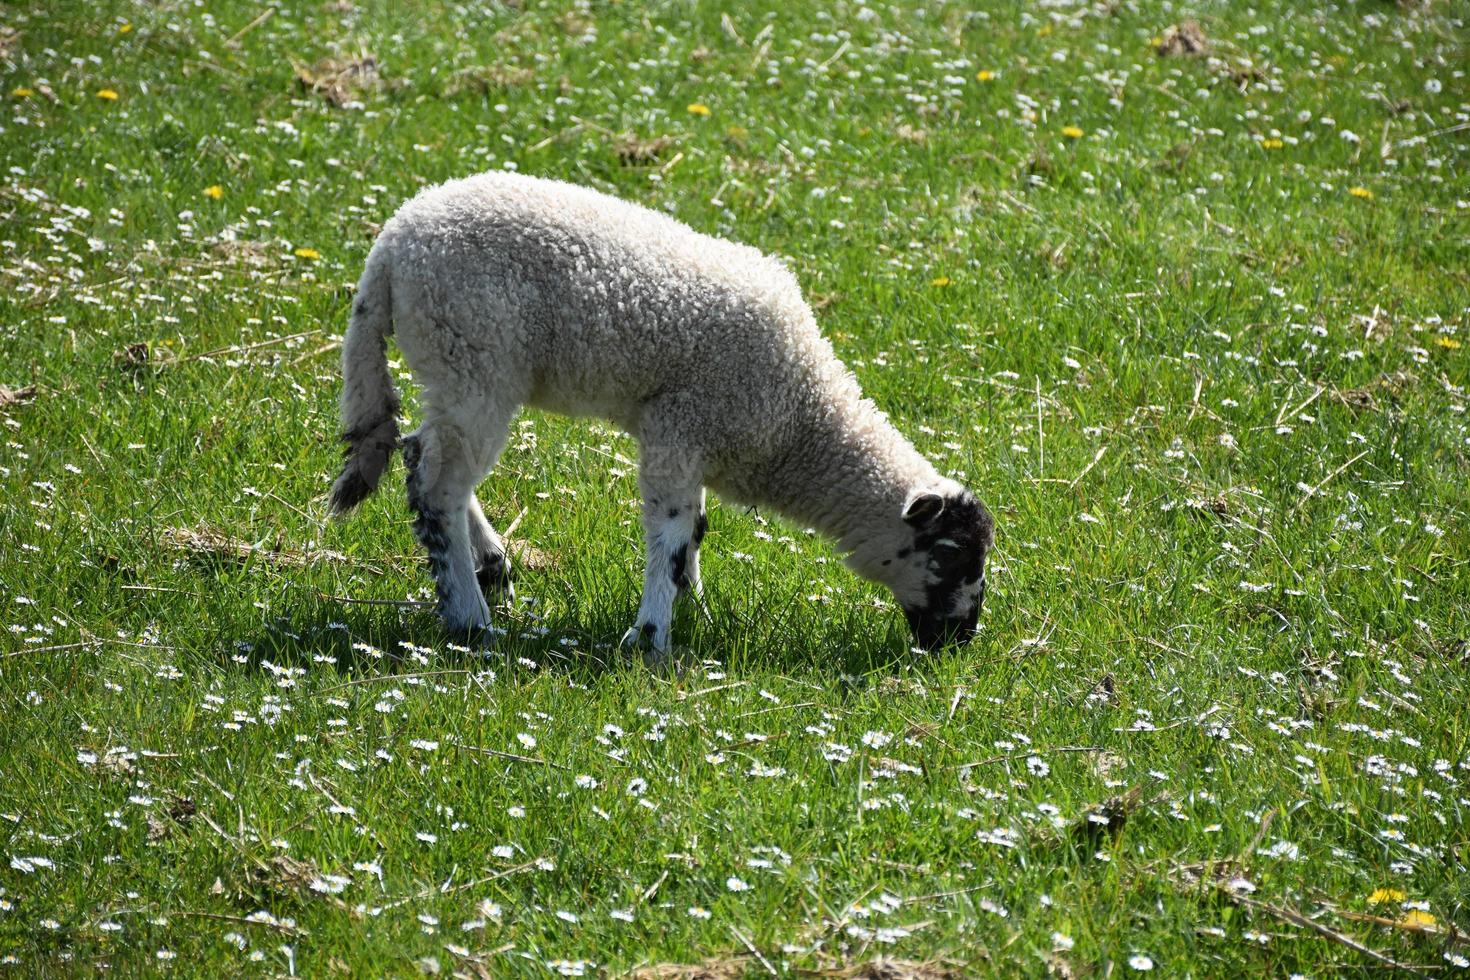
x=505 y=290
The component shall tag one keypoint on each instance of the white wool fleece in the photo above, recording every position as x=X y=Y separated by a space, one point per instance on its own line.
x=506 y=290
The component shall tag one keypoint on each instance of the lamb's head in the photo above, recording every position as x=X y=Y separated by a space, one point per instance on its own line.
x=933 y=558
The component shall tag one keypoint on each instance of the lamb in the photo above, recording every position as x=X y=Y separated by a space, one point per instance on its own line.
x=506 y=290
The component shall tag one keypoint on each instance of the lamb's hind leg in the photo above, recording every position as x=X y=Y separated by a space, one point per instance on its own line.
x=445 y=459
x=673 y=526
x=492 y=563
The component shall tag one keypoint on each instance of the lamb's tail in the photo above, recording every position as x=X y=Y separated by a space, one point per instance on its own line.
x=369 y=400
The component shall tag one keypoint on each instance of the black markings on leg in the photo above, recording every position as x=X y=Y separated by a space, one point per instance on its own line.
x=430 y=525
x=648 y=629
x=678 y=560
x=493 y=574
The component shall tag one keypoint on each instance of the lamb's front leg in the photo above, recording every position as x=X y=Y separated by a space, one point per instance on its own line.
x=673 y=524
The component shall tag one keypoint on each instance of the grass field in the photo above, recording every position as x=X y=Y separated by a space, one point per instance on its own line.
x=1195 y=323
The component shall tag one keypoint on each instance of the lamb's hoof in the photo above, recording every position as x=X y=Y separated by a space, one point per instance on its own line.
x=473 y=635
x=661 y=658
x=493 y=577
x=468 y=622
x=670 y=664
x=640 y=638
x=499 y=596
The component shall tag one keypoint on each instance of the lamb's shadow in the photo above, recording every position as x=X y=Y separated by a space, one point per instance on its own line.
x=368 y=640
x=365 y=639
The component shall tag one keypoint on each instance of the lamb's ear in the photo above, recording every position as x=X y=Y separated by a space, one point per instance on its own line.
x=922 y=508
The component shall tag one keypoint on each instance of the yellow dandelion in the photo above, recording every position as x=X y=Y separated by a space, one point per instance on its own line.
x=214 y=192
x=698 y=109
x=1072 y=132
x=984 y=75
x=1157 y=41
x=940 y=281
x=125 y=29
x=1448 y=343
x=308 y=253
x=1418 y=920
x=1362 y=192
x=1044 y=31
x=107 y=93
x=22 y=92
x=1271 y=143
x=1382 y=895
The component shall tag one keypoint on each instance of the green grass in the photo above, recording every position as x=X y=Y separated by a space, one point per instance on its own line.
x=1215 y=398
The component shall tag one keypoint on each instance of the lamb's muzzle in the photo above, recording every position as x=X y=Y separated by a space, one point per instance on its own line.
x=505 y=290
x=956 y=536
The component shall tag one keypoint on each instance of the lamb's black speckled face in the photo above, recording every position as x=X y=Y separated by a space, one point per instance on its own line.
x=952 y=536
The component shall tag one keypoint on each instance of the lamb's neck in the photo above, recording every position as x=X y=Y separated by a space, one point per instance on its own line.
x=849 y=473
